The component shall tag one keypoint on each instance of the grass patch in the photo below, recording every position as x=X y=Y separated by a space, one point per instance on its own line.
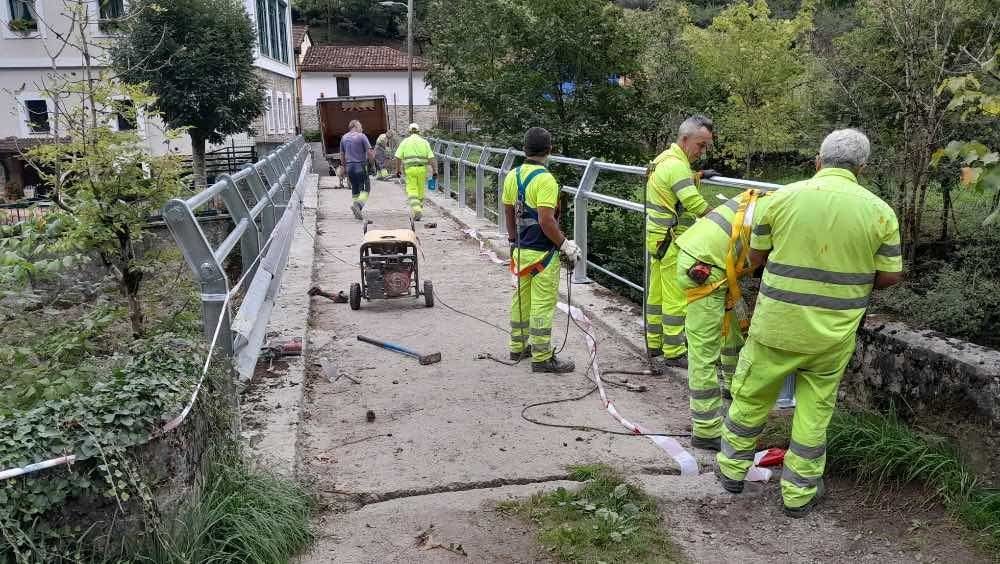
x=608 y=520
x=886 y=453
x=237 y=514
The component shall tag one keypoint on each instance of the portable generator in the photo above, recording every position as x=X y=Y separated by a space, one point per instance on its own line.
x=390 y=268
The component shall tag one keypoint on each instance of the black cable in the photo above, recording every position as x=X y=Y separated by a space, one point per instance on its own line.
x=588 y=427
x=469 y=315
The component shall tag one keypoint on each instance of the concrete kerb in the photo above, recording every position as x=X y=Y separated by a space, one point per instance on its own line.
x=612 y=313
x=276 y=412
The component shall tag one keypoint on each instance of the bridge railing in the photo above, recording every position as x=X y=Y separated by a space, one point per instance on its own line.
x=264 y=201
x=457 y=155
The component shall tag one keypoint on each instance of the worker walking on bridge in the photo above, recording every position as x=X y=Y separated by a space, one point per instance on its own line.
x=713 y=257
x=530 y=198
x=673 y=202
x=413 y=156
x=355 y=152
x=826 y=243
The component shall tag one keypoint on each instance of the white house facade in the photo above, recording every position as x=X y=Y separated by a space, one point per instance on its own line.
x=332 y=70
x=29 y=33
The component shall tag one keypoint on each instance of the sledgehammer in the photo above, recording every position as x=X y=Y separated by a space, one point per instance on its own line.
x=423 y=358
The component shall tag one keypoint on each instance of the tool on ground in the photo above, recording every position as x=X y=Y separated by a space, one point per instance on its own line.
x=770 y=457
x=340 y=297
x=423 y=358
x=283 y=348
x=389 y=267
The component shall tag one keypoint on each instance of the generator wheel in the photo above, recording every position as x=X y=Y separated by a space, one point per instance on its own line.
x=428 y=293
x=355 y=296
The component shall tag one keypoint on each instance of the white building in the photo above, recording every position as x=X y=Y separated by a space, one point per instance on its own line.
x=29 y=32
x=333 y=70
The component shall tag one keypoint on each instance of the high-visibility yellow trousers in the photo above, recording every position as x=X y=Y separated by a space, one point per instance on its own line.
x=416 y=184
x=534 y=305
x=706 y=344
x=666 y=303
x=760 y=373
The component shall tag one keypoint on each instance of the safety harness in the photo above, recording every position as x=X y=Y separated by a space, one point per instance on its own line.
x=736 y=262
x=529 y=231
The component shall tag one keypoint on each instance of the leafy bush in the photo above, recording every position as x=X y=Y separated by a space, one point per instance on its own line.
x=119 y=410
x=312 y=135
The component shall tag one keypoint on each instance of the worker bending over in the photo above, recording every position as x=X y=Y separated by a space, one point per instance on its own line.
x=530 y=198
x=355 y=152
x=714 y=255
x=413 y=156
x=825 y=242
x=383 y=151
x=672 y=205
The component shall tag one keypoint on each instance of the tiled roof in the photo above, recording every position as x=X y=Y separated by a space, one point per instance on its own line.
x=334 y=58
x=298 y=34
x=14 y=145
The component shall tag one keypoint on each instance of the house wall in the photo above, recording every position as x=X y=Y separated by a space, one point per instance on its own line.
x=324 y=84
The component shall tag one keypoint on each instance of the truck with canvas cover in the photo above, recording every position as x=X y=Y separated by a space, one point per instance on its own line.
x=334 y=115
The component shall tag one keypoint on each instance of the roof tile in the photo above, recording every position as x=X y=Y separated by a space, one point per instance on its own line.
x=335 y=58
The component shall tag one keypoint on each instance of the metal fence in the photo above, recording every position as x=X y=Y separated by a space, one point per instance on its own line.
x=264 y=201
x=500 y=161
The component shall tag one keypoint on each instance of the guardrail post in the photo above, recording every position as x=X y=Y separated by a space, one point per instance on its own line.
x=587 y=182
x=214 y=284
x=466 y=150
x=238 y=210
x=508 y=163
x=259 y=189
x=447 y=169
x=484 y=157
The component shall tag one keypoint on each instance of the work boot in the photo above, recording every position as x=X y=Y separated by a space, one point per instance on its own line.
x=707 y=444
x=520 y=355
x=553 y=366
x=651 y=353
x=730 y=485
x=677 y=361
x=356 y=210
x=416 y=216
x=798 y=512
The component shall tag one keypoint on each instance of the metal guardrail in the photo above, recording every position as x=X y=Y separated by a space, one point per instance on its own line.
x=263 y=201
x=453 y=154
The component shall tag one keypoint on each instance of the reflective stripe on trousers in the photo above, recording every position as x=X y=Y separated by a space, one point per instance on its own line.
x=533 y=306
x=760 y=374
x=666 y=304
x=416 y=185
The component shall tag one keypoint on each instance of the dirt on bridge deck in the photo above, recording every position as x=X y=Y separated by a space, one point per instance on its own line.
x=448 y=442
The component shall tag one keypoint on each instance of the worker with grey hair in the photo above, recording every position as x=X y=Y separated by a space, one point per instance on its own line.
x=825 y=243
x=355 y=152
x=673 y=203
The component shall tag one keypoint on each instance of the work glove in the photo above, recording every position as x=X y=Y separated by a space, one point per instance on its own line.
x=570 y=250
x=707 y=173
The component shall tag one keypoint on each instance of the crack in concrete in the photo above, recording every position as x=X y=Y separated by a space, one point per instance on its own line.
x=363 y=499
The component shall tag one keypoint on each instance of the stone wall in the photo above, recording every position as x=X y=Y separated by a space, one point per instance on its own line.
x=925 y=371
x=399 y=117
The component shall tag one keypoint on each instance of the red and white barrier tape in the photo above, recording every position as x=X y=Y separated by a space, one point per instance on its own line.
x=683 y=458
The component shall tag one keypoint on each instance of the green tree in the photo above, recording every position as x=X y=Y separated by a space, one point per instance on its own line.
x=333 y=19
x=889 y=71
x=197 y=58
x=768 y=75
x=103 y=177
x=516 y=63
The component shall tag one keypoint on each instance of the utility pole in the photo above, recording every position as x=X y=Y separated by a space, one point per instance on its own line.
x=409 y=51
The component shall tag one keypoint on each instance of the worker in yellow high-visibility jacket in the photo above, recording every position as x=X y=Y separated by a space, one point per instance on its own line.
x=413 y=156
x=713 y=257
x=673 y=202
x=531 y=203
x=826 y=243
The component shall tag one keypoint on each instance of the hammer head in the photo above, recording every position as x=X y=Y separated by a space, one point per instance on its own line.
x=430 y=358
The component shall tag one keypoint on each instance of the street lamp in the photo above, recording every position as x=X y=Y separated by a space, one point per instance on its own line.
x=409 y=45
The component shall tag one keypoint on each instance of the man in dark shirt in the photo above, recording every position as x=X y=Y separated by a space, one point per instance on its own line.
x=355 y=151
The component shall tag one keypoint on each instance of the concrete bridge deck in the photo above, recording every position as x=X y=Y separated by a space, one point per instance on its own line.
x=448 y=440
